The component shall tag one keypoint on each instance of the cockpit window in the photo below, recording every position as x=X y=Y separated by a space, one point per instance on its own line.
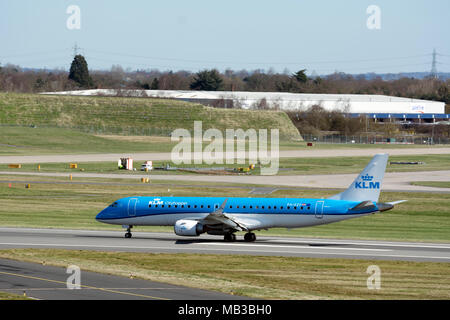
x=115 y=204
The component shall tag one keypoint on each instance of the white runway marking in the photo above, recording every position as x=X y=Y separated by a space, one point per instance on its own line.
x=390 y=244
x=281 y=246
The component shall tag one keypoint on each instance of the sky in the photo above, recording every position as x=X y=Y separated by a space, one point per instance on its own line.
x=280 y=36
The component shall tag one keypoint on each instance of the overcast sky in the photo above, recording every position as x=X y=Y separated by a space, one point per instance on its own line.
x=321 y=36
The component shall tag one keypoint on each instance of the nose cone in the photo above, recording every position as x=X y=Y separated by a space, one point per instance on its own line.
x=102 y=215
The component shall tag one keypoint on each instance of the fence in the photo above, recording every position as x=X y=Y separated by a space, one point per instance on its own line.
x=343 y=139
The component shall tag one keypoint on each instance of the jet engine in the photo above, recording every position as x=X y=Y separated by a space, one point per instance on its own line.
x=188 y=228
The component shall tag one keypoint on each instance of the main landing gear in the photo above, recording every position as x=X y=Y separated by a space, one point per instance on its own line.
x=128 y=234
x=250 y=237
x=231 y=237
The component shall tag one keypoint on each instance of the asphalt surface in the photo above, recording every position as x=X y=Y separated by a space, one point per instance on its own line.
x=302 y=153
x=270 y=246
x=42 y=282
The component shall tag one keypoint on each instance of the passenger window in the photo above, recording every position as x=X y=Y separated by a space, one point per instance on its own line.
x=295 y=208
x=148 y=206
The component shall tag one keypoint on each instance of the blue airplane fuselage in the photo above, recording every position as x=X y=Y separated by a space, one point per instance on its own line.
x=265 y=212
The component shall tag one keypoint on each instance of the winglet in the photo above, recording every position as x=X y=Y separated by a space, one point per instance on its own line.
x=219 y=211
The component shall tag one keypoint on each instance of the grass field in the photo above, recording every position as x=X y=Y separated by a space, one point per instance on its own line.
x=436 y=184
x=11 y=296
x=288 y=166
x=260 y=277
x=18 y=140
x=57 y=203
x=138 y=116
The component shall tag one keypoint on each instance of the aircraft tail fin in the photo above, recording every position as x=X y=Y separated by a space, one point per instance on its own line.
x=367 y=185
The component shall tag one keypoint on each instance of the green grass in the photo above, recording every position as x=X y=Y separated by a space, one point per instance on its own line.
x=292 y=166
x=435 y=184
x=260 y=277
x=16 y=140
x=60 y=204
x=135 y=116
x=12 y=296
x=288 y=166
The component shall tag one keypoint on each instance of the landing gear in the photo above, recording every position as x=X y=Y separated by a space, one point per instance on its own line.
x=128 y=234
x=250 y=237
x=229 y=237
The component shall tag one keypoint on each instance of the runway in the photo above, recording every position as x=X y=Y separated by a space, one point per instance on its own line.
x=269 y=246
x=165 y=156
x=41 y=282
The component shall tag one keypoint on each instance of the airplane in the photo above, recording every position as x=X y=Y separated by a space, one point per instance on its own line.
x=192 y=216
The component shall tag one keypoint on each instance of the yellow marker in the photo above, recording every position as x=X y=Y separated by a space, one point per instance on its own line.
x=27 y=186
x=70 y=177
x=39 y=167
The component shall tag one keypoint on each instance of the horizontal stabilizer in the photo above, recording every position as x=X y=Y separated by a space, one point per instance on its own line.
x=388 y=205
x=363 y=206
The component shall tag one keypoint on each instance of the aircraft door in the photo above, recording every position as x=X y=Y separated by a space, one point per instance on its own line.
x=132 y=203
x=319 y=209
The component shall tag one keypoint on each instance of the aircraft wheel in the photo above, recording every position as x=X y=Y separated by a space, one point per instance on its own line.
x=128 y=235
x=250 y=237
x=230 y=237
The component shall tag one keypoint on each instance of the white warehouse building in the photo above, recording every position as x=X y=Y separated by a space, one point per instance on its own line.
x=349 y=103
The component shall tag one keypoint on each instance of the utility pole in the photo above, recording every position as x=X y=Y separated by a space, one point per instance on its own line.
x=433 y=72
x=75 y=49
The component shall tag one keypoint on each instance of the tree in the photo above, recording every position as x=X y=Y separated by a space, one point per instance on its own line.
x=79 y=72
x=301 y=76
x=207 y=80
x=155 y=84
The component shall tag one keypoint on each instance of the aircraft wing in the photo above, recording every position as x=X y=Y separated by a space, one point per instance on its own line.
x=219 y=217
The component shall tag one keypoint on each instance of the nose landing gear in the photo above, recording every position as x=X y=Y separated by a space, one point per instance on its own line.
x=128 y=233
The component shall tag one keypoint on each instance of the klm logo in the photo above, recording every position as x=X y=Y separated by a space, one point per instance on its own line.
x=156 y=201
x=367 y=183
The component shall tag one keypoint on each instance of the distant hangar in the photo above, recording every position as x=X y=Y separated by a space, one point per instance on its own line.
x=348 y=103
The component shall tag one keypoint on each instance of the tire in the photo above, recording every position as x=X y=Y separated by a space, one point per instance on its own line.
x=250 y=237
x=229 y=237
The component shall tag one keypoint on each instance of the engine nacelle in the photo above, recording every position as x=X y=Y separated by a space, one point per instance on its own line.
x=188 y=228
